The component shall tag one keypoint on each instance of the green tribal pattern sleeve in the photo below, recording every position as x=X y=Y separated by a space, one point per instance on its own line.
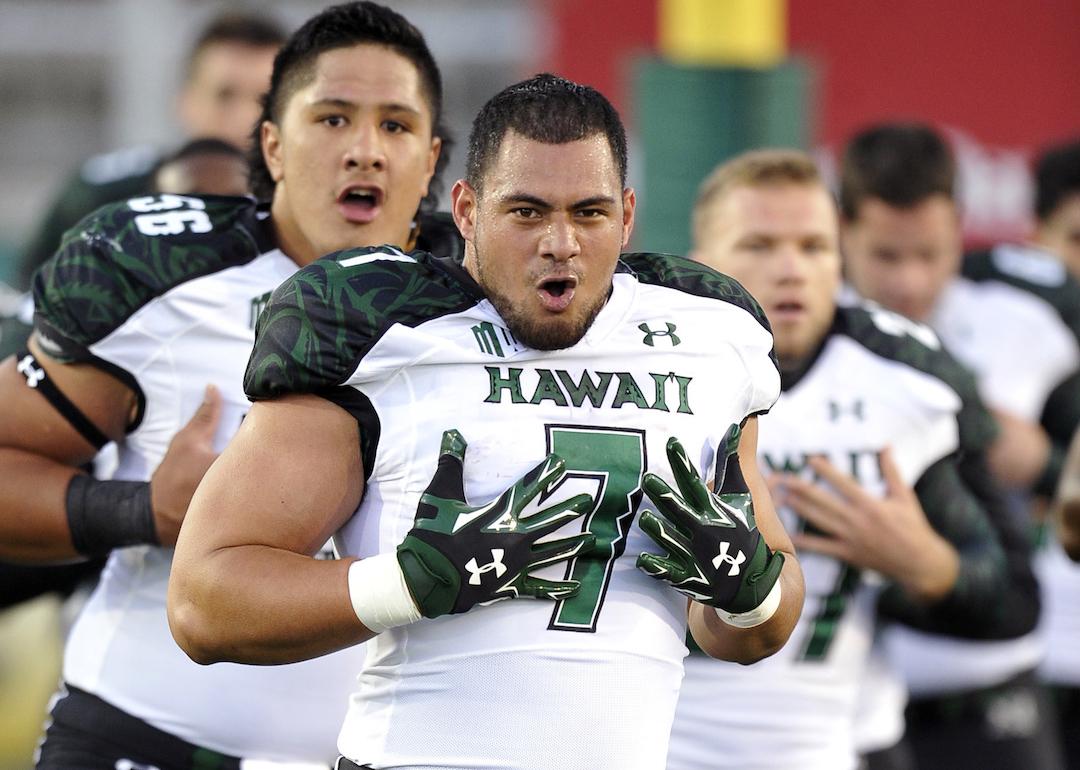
x=321 y=322
x=126 y=254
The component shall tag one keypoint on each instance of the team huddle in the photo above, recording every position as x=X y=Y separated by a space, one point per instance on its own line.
x=402 y=490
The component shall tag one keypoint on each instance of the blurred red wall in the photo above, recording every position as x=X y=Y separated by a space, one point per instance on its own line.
x=1002 y=77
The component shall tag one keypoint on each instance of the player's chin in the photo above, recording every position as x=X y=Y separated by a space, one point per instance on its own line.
x=552 y=331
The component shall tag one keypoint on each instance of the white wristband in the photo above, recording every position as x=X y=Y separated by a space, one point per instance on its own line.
x=380 y=597
x=756 y=616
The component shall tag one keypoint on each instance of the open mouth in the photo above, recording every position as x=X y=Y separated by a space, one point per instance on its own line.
x=788 y=309
x=360 y=203
x=556 y=293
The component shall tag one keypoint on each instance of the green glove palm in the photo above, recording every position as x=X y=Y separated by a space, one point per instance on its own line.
x=457 y=556
x=715 y=553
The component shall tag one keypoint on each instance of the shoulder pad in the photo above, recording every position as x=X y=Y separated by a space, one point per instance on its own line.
x=898 y=338
x=321 y=322
x=125 y=254
x=1031 y=270
x=692 y=277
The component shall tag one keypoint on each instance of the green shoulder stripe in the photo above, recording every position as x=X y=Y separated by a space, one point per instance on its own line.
x=124 y=255
x=897 y=338
x=694 y=278
x=321 y=322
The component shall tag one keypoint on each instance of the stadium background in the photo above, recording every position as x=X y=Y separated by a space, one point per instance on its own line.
x=695 y=79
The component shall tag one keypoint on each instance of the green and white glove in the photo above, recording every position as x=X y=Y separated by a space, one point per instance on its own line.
x=715 y=553
x=459 y=555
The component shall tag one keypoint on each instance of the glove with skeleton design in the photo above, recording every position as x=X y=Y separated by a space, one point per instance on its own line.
x=459 y=555
x=715 y=553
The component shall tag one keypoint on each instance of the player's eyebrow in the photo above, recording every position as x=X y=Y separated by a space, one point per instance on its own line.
x=540 y=203
x=345 y=104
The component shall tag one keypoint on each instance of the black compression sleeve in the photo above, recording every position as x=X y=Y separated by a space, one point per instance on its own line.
x=104 y=515
x=995 y=595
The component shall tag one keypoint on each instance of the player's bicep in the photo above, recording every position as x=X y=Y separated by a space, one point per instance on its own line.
x=289 y=478
x=30 y=421
x=764 y=511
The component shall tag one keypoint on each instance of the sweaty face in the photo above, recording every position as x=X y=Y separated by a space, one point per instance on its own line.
x=221 y=98
x=1060 y=233
x=780 y=242
x=544 y=233
x=353 y=155
x=903 y=258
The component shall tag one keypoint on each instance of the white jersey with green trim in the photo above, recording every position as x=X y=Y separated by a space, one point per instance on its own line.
x=1020 y=349
x=796 y=709
x=173 y=299
x=591 y=681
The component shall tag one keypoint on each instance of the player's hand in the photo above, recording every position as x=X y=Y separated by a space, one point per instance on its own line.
x=715 y=553
x=190 y=454
x=459 y=555
x=890 y=534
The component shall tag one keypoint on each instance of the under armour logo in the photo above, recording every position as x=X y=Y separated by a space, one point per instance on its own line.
x=649 y=334
x=856 y=410
x=475 y=571
x=724 y=556
x=32 y=374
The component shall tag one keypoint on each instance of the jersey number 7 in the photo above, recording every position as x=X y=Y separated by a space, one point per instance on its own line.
x=615 y=458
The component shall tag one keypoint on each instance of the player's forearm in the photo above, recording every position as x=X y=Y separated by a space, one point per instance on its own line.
x=932 y=572
x=33 y=518
x=1019 y=455
x=261 y=605
x=748 y=645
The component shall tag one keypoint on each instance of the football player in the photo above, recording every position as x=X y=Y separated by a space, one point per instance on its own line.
x=863 y=452
x=146 y=302
x=226 y=74
x=623 y=377
x=902 y=248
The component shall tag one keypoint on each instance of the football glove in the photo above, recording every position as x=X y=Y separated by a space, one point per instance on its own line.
x=715 y=553
x=459 y=555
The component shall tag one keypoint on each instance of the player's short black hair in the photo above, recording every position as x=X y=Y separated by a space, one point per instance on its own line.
x=545 y=108
x=902 y=164
x=1057 y=176
x=342 y=26
x=239 y=28
x=204 y=146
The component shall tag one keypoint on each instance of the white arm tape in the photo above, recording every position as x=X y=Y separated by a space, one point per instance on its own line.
x=380 y=597
x=756 y=616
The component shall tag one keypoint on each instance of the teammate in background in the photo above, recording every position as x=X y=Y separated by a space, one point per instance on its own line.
x=226 y=73
x=203 y=167
x=1057 y=203
x=880 y=475
x=901 y=241
x=1068 y=503
x=146 y=303
x=542 y=342
x=200 y=167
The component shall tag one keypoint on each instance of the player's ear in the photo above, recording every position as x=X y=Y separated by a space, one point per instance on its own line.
x=270 y=141
x=433 y=161
x=463 y=206
x=629 y=202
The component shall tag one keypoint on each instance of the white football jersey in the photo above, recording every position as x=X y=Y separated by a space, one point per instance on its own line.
x=1015 y=341
x=879 y=381
x=163 y=293
x=588 y=682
